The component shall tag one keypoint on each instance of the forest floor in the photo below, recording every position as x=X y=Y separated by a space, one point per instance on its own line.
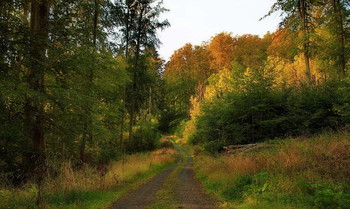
x=175 y=187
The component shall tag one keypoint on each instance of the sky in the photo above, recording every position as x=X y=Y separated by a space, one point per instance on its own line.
x=196 y=21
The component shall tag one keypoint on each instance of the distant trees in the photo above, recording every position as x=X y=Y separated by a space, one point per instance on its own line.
x=138 y=22
x=185 y=76
x=290 y=82
x=221 y=49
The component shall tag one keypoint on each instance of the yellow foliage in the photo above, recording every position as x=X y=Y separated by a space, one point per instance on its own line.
x=219 y=84
x=292 y=73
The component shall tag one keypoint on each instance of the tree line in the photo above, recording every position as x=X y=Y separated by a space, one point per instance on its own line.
x=246 y=89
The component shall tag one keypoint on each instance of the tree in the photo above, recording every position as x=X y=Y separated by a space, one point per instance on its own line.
x=221 y=49
x=334 y=20
x=34 y=107
x=138 y=22
x=298 y=14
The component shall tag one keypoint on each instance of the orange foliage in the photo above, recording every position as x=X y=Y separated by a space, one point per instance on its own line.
x=221 y=49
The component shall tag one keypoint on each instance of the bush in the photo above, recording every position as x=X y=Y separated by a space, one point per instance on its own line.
x=237 y=190
x=251 y=116
x=166 y=143
x=326 y=196
x=213 y=146
x=146 y=137
x=180 y=128
x=170 y=120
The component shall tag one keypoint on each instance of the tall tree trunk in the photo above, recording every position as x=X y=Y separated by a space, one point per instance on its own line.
x=339 y=18
x=150 y=101
x=303 y=12
x=121 y=136
x=34 y=107
x=136 y=68
x=127 y=34
x=94 y=38
x=88 y=135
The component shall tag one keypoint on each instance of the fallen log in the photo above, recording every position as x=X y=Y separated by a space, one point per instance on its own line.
x=234 y=149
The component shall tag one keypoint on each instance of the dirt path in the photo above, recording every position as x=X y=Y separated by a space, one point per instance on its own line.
x=145 y=194
x=190 y=191
x=187 y=192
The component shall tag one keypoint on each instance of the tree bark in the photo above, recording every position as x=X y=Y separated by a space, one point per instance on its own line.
x=134 y=87
x=339 y=18
x=34 y=106
x=302 y=8
x=88 y=135
x=127 y=25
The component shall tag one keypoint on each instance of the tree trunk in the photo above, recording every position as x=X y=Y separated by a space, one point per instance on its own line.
x=124 y=88
x=88 y=135
x=302 y=8
x=121 y=137
x=307 y=65
x=337 y=9
x=150 y=101
x=136 y=68
x=94 y=38
x=34 y=107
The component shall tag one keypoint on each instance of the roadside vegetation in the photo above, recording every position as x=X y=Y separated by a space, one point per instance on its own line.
x=302 y=172
x=89 y=187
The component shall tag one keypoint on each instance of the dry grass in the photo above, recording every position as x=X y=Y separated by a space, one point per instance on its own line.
x=115 y=173
x=323 y=159
x=90 y=178
x=326 y=156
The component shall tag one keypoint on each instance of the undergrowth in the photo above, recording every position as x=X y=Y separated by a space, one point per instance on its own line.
x=90 y=187
x=295 y=173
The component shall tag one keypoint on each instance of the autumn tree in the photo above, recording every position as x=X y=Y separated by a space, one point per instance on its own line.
x=299 y=15
x=332 y=24
x=221 y=49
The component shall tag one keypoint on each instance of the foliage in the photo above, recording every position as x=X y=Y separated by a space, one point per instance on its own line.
x=89 y=187
x=63 y=82
x=270 y=114
x=295 y=173
x=146 y=136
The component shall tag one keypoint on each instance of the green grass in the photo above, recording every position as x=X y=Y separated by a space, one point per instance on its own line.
x=297 y=173
x=90 y=197
x=100 y=199
x=165 y=197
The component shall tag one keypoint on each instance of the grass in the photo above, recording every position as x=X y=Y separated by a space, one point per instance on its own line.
x=165 y=197
x=86 y=187
x=295 y=173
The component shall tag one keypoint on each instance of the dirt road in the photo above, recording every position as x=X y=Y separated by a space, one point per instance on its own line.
x=175 y=187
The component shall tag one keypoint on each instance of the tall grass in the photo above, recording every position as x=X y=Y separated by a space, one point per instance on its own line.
x=71 y=187
x=295 y=173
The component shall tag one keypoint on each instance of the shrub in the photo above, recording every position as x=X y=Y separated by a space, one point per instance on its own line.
x=146 y=137
x=255 y=115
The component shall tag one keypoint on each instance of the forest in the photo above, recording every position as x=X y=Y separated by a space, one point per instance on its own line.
x=86 y=98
